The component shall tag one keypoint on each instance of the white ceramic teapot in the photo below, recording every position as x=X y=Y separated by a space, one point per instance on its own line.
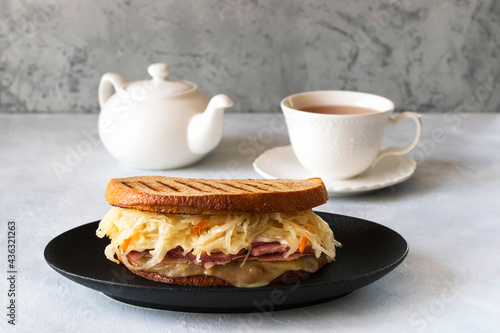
x=158 y=123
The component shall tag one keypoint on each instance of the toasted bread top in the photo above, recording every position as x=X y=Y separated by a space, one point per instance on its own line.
x=215 y=196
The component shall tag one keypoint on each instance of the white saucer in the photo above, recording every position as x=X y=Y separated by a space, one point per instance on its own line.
x=280 y=162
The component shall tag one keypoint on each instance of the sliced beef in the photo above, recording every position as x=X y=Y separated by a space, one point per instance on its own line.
x=261 y=251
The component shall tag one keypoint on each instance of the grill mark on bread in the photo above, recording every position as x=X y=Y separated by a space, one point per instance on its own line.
x=148 y=186
x=236 y=187
x=189 y=185
x=123 y=183
x=213 y=186
x=283 y=184
x=277 y=187
x=166 y=185
x=254 y=186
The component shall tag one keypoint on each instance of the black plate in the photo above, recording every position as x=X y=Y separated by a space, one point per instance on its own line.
x=369 y=251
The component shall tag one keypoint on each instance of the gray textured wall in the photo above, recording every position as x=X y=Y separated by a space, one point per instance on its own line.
x=425 y=55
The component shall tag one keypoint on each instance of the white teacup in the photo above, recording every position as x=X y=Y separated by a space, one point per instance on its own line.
x=341 y=146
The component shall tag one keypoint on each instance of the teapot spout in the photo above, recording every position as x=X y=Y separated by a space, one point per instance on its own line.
x=205 y=129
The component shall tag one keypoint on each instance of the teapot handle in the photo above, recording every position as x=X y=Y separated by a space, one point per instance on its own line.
x=108 y=82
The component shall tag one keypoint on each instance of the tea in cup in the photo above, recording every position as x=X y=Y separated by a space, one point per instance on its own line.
x=338 y=134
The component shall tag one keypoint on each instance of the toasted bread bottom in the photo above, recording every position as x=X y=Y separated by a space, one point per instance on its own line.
x=212 y=281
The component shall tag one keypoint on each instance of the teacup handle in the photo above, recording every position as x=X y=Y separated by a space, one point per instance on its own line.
x=403 y=150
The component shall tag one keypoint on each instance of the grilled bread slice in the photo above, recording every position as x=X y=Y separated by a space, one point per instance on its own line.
x=170 y=195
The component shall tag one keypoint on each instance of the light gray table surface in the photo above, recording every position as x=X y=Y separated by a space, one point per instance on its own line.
x=448 y=211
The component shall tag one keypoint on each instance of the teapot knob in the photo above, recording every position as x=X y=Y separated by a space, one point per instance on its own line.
x=159 y=72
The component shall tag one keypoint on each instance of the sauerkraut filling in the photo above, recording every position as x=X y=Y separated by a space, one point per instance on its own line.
x=135 y=230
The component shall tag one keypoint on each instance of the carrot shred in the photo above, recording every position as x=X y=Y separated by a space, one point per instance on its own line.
x=304 y=241
x=200 y=226
x=126 y=244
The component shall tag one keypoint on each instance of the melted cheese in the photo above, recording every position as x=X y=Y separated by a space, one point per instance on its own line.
x=251 y=274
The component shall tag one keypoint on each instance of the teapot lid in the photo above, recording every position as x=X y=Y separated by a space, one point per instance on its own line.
x=161 y=85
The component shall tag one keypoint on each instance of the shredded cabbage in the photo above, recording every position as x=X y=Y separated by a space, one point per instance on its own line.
x=229 y=234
